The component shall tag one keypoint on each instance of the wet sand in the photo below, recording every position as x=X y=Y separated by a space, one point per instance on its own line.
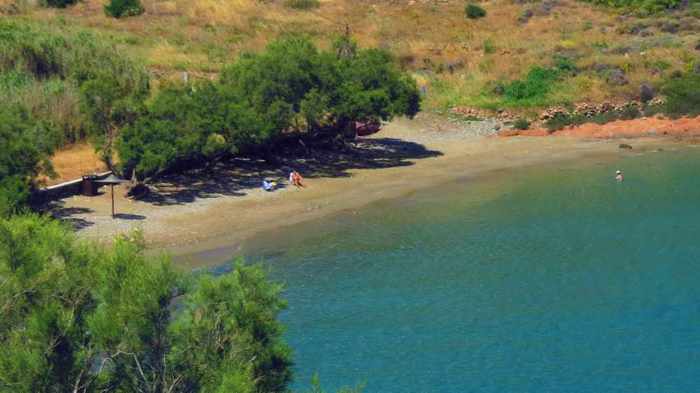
x=219 y=216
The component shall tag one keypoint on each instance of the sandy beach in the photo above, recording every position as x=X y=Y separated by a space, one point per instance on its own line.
x=224 y=206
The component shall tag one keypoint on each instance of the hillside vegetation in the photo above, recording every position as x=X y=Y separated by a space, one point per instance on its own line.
x=44 y=69
x=459 y=61
x=64 y=84
x=76 y=72
x=161 y=86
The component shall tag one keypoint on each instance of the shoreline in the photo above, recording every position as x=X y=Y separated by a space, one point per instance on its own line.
x=217 y=250
x=215 y=226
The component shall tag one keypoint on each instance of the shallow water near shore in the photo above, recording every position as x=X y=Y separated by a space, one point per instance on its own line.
x=553 y=279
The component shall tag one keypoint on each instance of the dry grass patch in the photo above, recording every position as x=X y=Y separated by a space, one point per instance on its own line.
x=73 y=162
x=457 y=57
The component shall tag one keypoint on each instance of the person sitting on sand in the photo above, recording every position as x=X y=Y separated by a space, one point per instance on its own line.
x=619 y=176
x=296 y=179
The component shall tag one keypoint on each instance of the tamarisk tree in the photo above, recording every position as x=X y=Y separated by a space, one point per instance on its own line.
x=290 y=87
x=78 y=318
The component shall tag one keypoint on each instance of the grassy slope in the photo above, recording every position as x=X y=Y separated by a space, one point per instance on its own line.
x=199 y=36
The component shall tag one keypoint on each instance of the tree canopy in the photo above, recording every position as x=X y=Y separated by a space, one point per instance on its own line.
x=25 y=147
x=58 y=86
x=291 y=86
x=78 y=318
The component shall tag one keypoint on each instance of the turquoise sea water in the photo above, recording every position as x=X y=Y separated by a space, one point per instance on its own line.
x=548 y=279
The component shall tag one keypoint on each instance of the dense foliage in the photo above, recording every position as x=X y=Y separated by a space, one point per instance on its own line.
x=123 y=8
x=474 y=11
x=683 y=95
x=536 y=84
x=76 y=318
x=644 y=6
x=521 y=124
x=46 y=69
x=533 y=90
x=289 y=87
x=59 y=3
x=25 y=146
x=302 y=4
x=57 y=87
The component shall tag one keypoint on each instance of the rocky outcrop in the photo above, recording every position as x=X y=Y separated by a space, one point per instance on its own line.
x=593 y=110
x=474 y=113
x=587 y=110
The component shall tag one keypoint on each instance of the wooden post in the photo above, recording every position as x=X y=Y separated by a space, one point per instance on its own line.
x=112 y=201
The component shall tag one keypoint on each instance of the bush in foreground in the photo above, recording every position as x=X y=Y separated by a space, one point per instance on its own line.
x=77 y=318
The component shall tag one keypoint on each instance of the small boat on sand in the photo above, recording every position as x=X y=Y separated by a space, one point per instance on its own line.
x=367 y=128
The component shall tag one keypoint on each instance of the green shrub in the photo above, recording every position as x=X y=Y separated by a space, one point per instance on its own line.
x=58 y=3
x=489 y=48
x=521 y=124
x=123 y=8
x=653 y=110
x=563 y=120
x=302 y=4
x=641 y=6
x=630 y=112
x=473 y=11
x=43 y=68
x=535 y=87
x=682 y=95
x=13 y=80
x=565 y=64
x=559 y=121
x=694 y=10
x=25 y=148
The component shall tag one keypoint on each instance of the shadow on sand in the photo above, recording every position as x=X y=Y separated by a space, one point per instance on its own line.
x=66 y=214
x=132 y=217
x=237 y=176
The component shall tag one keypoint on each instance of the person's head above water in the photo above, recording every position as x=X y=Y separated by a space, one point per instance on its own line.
x=619 y=172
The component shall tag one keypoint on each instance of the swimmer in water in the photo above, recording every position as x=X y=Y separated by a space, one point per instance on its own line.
x=619 y=176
